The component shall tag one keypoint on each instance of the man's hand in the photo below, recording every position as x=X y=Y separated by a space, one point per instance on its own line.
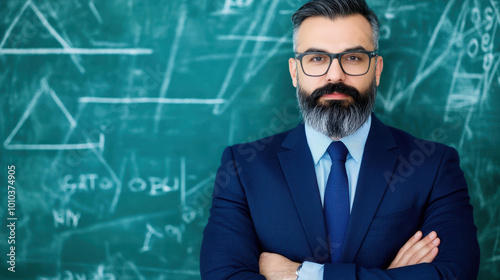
x=417 y=250
x=277 y=267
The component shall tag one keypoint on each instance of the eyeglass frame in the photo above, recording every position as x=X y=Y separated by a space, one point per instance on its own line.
x=371 y=54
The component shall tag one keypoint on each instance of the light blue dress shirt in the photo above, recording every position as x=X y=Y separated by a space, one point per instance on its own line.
x=318 y=143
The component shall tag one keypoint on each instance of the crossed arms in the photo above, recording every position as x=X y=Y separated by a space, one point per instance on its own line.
x=417 y=250
x=232 y=247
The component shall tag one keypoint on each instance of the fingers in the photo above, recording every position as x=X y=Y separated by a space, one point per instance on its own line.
x=430 y=256
x=417 y=250
x=412 y=241
x=423 y=248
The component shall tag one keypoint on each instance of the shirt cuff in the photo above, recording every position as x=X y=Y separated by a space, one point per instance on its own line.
x=311 y=271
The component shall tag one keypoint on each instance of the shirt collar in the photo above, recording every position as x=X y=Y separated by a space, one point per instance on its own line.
x=355 y=143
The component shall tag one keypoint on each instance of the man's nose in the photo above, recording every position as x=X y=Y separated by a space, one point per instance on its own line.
x=335 y=73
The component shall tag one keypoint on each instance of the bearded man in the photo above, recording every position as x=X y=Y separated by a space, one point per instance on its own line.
x=341 y=196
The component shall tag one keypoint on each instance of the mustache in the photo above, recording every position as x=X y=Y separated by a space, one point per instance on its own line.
x=337 y=87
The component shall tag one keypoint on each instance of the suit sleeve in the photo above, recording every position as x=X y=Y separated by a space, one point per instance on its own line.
x=449 y=213
x=230 y=248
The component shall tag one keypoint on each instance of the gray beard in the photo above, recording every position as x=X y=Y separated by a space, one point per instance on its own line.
x=333 y=118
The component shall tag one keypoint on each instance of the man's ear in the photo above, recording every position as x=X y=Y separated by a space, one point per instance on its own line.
x=292 y=67
x=379 y=68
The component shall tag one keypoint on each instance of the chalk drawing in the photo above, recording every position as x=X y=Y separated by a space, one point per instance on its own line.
x=45 y=89
x=175 y=232
x=251 y=38
x=189 y=214
x=238 y=56
x=14 y=23
x=153 y=186
x=66 y=49
x=264 y=20
x=171 y=63
x=456 y=98
x=219 y=109
x=480 y=83
x=80 y=51
x=268 y=20
x=150 y=100
x=230 y=5
x=157 y=186
x=170 y=231
x=193 y=190
x=183 y=182
x=221 y=57
x=59 y=163
x=86 y=183
x=149 y=234
x=66 y=218
x=95 y=12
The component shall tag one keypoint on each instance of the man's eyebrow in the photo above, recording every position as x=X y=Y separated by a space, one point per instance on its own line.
x=316 y=50
x=357 y=48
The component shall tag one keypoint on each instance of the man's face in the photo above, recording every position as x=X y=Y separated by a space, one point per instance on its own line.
x=320 y=34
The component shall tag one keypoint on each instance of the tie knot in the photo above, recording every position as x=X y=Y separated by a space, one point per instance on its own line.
x=337 y=151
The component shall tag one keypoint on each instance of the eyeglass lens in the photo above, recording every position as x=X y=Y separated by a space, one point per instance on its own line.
x=351 y=63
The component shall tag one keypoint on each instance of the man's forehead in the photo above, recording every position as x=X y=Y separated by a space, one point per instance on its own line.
x=335 y=35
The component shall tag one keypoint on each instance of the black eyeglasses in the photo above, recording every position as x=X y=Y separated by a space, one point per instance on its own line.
x=353 y=63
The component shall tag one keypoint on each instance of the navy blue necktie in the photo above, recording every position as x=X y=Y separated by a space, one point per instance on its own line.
x=337 y=210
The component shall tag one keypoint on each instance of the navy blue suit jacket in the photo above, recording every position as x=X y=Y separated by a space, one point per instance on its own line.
x=266 y=199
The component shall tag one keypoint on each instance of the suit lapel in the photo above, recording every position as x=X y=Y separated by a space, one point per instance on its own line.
x=377 y=167
x=298 y=167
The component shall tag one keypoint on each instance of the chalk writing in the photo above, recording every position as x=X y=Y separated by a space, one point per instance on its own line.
x=65 y=218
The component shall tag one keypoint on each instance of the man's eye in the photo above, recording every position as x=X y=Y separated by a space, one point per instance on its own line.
x=319 y=59
x=355 y=57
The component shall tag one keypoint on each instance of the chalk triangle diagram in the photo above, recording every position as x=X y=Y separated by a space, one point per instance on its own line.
x=29 y=32
x=64 y=46
x=26 y=32
x=46 y=124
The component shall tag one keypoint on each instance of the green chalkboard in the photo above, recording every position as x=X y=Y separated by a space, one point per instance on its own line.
x=115 y=113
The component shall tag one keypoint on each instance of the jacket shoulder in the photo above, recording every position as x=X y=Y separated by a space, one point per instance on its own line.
x=262 y=148
x=409 y=144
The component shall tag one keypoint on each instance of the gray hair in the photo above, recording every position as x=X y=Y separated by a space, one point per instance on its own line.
x=333 y=9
